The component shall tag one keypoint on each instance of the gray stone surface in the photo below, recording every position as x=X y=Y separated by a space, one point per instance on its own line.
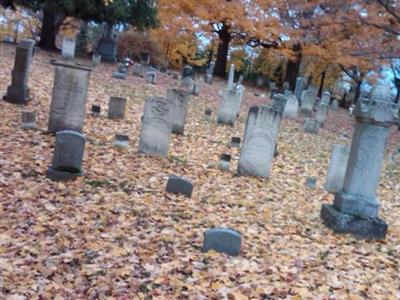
x=137 y=69
x=156 y=126
x=311 y=182
x=335 y=104
x=311 y=126
x=179 y=185
x=300 y=85
x=121 y=141
x=279 y=102
x=96 y=59
x=307 y=102
x=196 y=89
x=235 y=141
x=116 y=108
x=337 y=168
x=151 y=77
x=227 y=110
x=239 y=93
x=224 y=162
x=68 y=103
x=107 y=48
x=28 y=120
x=119 y=75
x=326 y=98
x=68 y=156
x=68 y=48
x=187 y=78
x=322 y=114
x=291 y=108
x=18 y=91
x=259 y=141
x=231 y=77
x=180 y=98
x=222 y=240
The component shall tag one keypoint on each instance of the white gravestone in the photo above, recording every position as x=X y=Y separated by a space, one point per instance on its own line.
x=68 y=48
x=337 y=168
x=227 y=109
x=180 y=98
x=291 y=108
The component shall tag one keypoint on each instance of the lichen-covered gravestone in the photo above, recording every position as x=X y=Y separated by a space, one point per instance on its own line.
x=68 y=104
x=179 y=185
x=156 y=126
x=18 y=91
x=116 y=108
x=180 y=98
x=68 y=156
x=259 y=141
x=337 y=168
x=223 y=240
x=355 y=208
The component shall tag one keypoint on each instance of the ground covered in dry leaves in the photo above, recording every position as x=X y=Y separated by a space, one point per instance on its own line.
x=115 y=234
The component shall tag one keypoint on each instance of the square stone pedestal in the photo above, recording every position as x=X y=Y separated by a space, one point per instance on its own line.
x=18 y=95
x=372 y=228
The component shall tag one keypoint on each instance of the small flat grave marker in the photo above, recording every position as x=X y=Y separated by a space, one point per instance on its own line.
x=28 y=119
x=223 y=240
x=96 y=109
x=311 y=182
x=179 y=185
x=121 y=141
x=235 y=141
x=224 y=162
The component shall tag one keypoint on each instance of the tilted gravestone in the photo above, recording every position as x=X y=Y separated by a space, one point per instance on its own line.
x=222 y=240
x=227 y=110
x=68 y=103
x=300 y=85
x=291 y=108
x=156 y=126
x=28 y=119
x=231 y=77
x=68 y=156
x=311 y=126
x=68 y=48
x=179 y=185
x=116 y=108
x=224 y=162
x=259 y=141
x=307 y=102
x=18 y=91
x=337 y=168
x=180 y=98
x=322 y=114
x=355 y=208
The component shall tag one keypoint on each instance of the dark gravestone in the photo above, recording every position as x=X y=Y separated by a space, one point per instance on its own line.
x=121 y=141
x=68 y=156
x=208 y=112
x=235 y=141
x=96 y=109
x=116 y=108
x=107 y=48
x=28 y=119
x=222 y=240
x=224 y=162
x=18 y=91
x=178 y=185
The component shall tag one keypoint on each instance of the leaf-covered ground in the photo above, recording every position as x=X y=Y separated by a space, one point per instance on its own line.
x=115 y=234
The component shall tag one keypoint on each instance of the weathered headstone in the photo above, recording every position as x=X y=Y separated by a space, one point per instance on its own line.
x=137 y=69
x=196 y=89
x=107 y=48
x=121 y=72
x=335 y=104
x=235 y=141
x=228 y=106
x=322 y=114
x=179 y=185
x=337 y=168
x=239 y=92
x=68 y=48
x=231 y=77
x=209 y=73
x=222 y=240
x=156 y=126
x=307 y=102
x=355 y=208
x=96 y=109
x=180 y=98
x=68 y=156
x=121 y=141
x=224 y=162
x=300 y=85
x=68 y=103
x=259 y=141
x=116 y=108
x=28 y=119
x=291 y=108
x=187 y=78
x=18 y=91
x=151 y=77
x=96 y=59
x=279 y=102
x=311 y=126
x=326 y=98
x=286 y=86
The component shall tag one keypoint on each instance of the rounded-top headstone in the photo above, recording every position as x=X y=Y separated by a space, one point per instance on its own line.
x=222 y=240
x=179 y=185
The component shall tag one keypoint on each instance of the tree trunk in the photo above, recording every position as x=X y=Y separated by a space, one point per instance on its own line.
x=48 y=31
x=293 y=67
x=222 y=52
x=321 y=84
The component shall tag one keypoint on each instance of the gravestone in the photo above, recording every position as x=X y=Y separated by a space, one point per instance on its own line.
x=311 y=126
x=300 y=85
x=179 y=185
x=224 y=162
x=355 y=208
x=209 y=73
x=196 y=89
x=156 y=126
x=68 y=48
x=18 y=91
x=96 y=109
x=28 y=120
x=107 y=48
x=337 y=168
x=68 y=103
x=307 y=102
x=145 y=58
x=286 y=87
x=260 y=82
x=96 y=59
x=231 y=77
x=259 y=141
x=207 y=114
x=222 y=240
x=239 y=92
x=335 y=104
x=137 y=69
x=180 y=99
x=116 y=108
x=68 y=156
x=151 y=77
x=326 y=98
x=235 y=141
x=322 y=114
x=187 y=78
x=279 y=102
x=291 y=108
x=121 y=141
x=228 y=106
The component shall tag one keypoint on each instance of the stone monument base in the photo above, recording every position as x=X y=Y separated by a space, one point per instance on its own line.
x=17 y=95
x=57 y=175
x=344 y=223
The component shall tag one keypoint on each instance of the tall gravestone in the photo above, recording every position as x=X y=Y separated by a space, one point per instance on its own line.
x=291 y=108
x=355 y=208
x=180 y=98
x=209 y=73
x=239 y=92
x=337 y=168
x=228 y=106
x=307 y=102
x=231 y=77
x=18 y=91
x=300 y=85
x=68 y=103
x=156 y=126
x=259 y=141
